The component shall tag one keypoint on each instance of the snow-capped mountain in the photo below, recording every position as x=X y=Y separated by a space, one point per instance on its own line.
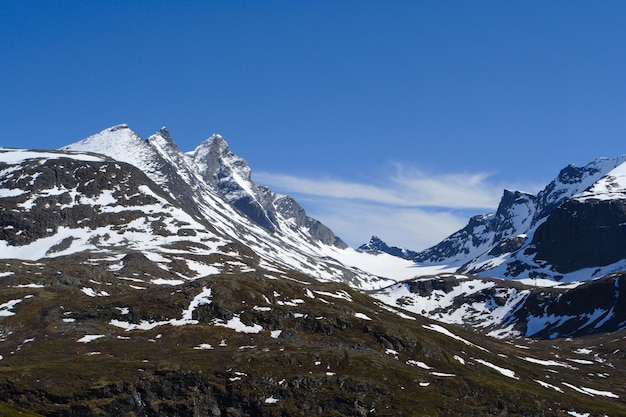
x=547 y=265
x=574 y=229
x=215 y=186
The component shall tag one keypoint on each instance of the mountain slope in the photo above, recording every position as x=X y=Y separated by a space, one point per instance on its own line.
x=59 y=203
x=504 y=308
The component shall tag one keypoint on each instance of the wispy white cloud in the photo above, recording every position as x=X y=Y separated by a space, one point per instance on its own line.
x=407 y=207
x=406 y=187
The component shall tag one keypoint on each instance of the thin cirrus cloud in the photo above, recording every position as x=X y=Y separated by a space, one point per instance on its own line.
x=405 y=188
x=412 y=209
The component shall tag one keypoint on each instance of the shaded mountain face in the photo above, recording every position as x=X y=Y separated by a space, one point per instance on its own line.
x=573 y=229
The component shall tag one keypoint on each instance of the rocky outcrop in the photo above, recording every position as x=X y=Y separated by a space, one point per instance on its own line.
x=595 y=307
x=507 y=308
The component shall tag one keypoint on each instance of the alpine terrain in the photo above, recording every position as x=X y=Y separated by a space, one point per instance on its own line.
x=140 y=280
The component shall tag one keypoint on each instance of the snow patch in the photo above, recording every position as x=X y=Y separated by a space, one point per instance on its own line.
x=90 y=338
x=503 y=371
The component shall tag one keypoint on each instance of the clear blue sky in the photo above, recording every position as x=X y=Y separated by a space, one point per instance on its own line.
x=374 y=114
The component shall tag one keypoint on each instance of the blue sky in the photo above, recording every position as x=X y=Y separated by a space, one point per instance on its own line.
x=394 y=118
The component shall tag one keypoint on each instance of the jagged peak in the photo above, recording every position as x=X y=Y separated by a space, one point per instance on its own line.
x=164 y=132
x=510 y=198
x=214 y=139
x=374 y=243
x=212 y=148
x=573 y=174
x=377 y=245
x=163 y=136
x=216 y=142
x=214 y=154
x=375 y=240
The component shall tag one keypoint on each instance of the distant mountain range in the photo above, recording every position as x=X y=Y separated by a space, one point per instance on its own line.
x=137 y=279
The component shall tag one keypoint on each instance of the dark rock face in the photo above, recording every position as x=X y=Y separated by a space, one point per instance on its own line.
x=508 y=245
x=254 y=211
x=590 y=308
x=427 y=286
x=583 y=234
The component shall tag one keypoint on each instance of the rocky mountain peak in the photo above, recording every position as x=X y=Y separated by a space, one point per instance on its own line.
x=374 y=245
x=377 y=245
x=163 y=143
x=216 y=162
x=165 y=133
